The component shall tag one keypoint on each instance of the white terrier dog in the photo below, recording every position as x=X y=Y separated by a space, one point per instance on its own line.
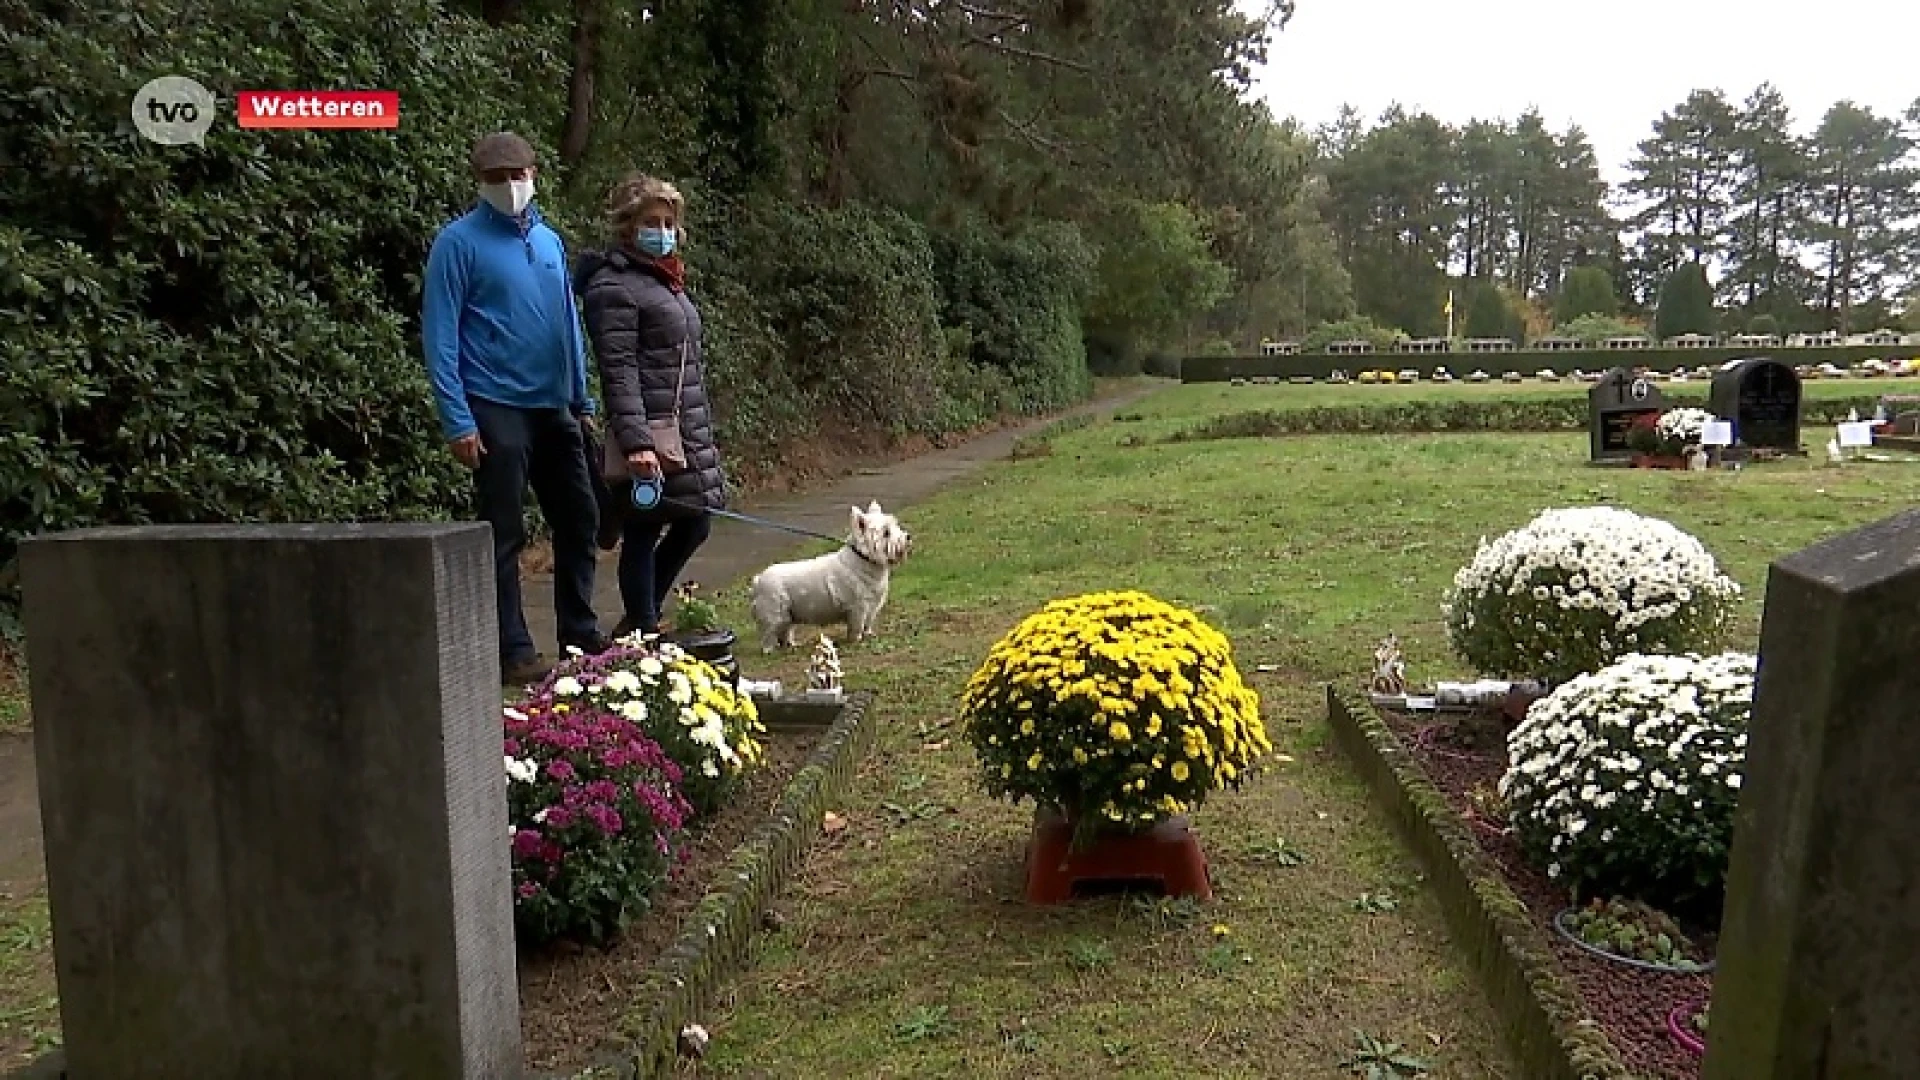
x=846 y=586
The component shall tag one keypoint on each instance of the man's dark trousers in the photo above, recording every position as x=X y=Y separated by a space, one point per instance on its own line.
x=541 y=448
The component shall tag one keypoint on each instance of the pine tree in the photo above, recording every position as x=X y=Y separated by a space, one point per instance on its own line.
x=1686 y=303
x=1488 y=313
x=1588 y=291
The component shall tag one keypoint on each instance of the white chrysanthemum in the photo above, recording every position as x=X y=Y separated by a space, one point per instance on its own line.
x=567 y=686
x=623 y=682
x=1668 y=732
x=1684 y=425
x=1575 y=589
x=521 y=770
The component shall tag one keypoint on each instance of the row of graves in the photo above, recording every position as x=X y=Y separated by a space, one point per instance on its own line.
x=1753 y=413
x=1866 y=369
x=1361 y=347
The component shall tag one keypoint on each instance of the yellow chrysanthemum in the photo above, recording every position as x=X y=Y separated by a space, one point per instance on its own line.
x=1154 y=680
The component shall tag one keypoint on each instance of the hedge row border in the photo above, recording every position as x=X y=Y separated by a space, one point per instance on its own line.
x=1319 y=366
x=715 y=935
x=1508 y=415
x=1545 y=1022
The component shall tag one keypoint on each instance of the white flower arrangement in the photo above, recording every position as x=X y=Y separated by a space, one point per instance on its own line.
x=1576 y=589
x=1625 y=781
x=1683 y=426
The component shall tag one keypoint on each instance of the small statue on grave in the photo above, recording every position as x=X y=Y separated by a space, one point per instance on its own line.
x=823 y=672
x=1389 y=671
x=1696 y=458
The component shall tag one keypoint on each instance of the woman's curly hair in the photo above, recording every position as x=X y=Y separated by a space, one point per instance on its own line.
x=631 y=197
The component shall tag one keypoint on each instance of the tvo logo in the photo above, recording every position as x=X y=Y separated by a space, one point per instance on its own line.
x=174 y=110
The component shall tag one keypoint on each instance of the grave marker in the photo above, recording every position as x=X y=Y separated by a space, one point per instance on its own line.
x=1613 y=404
x=275 y=814
x=1816 y=975
x=1762 y=398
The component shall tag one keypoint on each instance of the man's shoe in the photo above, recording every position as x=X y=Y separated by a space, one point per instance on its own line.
x=593 y=644
x=627 y=627
x=526 y=671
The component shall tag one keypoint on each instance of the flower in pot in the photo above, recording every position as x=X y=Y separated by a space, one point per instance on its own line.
x=1630 y=930
x=1625 y=781
x=1576 y=589
x=695 y=714
x=697 y=629
x=1643 y=436
x=596 y=814
x=1115 y=710
x=1681 y=429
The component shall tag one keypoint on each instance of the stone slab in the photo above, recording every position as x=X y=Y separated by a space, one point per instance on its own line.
x=1817 y=975
x=274 y=809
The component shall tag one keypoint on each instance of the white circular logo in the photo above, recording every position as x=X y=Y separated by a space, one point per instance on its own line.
x=173 y=110
x=1639 y=390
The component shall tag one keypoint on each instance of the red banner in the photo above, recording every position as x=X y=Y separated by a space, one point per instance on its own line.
x=318 y=108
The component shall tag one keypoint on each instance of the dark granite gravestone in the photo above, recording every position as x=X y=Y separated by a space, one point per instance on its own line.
x=1761 y=396
x=1613 y=404
x=275 y=813
x=1817 y=970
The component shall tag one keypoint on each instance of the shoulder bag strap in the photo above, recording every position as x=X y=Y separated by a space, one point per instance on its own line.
x=680 y=384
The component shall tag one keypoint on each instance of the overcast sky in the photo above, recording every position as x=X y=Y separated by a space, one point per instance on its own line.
x=1611 y=67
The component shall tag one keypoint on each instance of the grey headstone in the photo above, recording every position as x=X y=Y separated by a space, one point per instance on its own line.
x=1817 y=960
x=275 y=814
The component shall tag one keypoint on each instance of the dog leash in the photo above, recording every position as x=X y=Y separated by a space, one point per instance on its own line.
x=760 y=521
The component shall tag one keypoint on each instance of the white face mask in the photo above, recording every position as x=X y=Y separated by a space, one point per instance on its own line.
x=511 y=197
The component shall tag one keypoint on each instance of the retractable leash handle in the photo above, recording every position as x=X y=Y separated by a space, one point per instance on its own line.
x=647 y=491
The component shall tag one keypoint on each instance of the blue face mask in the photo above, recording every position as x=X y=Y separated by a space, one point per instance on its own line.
x=657 y=242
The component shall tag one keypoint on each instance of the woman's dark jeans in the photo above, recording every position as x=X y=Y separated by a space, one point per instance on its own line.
x=653 y=552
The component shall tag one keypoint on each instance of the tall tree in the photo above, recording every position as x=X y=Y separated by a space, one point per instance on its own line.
x=1686 y=303
x=1394 y=220
x=1770 y=173
x=1588 y=290
x=1864 y=203
x=1683 y=176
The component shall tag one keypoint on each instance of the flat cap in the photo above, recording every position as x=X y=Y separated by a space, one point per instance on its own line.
x=502 y=150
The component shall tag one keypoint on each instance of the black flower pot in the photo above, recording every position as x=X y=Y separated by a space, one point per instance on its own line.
x=713 y=646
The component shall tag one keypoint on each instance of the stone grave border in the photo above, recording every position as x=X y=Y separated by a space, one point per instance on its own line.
x=1546 y=1024
x=714 y=937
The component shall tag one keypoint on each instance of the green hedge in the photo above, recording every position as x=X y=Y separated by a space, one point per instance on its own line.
x=1321 y=365
x=1019 y=299
x=231 y=332
x=1540 y=414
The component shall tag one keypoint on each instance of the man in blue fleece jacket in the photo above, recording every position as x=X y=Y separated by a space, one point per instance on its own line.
x=509 y=371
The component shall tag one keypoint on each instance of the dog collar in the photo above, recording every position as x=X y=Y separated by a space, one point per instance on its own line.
x=863 y=557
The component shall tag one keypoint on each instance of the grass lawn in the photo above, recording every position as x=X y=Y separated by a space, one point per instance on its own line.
x=906 y=951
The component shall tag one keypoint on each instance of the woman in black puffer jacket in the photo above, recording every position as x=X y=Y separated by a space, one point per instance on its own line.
x=646 y=339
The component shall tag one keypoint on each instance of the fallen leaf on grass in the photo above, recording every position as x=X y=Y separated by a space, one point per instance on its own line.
x=935 y=747
x=833 y=823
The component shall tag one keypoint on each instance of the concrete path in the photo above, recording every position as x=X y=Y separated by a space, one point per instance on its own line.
x=737 y=550
x=732 y=552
